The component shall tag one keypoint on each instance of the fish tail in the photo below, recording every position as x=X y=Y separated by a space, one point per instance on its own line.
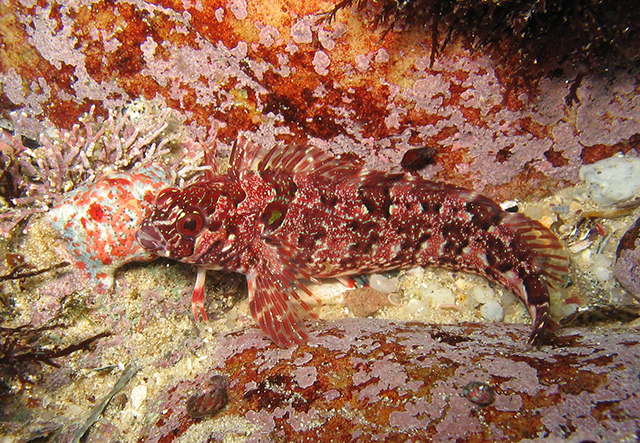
x=546 y=267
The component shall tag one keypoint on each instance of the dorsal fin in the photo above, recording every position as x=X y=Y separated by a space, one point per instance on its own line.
x=309 y=160
x=294 y=159
x=244 y=155
x=367 y=177
x=210 y=160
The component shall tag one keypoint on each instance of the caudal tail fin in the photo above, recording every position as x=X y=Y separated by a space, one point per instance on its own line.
x=547 y=267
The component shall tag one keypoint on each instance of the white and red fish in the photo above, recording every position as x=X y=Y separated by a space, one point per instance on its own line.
x=295 y=212
x=98 y=220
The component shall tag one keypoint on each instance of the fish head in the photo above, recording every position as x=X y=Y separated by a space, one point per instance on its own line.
x=188 y=224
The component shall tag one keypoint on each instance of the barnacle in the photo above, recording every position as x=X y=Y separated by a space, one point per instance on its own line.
x=479 y=392
x=211 y=401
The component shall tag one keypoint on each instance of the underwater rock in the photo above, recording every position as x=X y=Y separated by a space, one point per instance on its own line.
x=627 y=268
x=279 y=69
x=369 y=379
x=612 y=180
x=363 y=302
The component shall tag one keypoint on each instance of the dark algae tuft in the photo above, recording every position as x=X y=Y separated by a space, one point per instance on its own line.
x=528 y=39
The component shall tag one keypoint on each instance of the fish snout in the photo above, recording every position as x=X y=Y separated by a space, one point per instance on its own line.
x=150 y=238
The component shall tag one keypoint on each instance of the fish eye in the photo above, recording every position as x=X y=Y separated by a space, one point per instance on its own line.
x=164 y=195
x=192 y=221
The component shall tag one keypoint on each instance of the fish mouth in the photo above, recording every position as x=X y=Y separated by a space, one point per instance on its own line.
x=150 y=238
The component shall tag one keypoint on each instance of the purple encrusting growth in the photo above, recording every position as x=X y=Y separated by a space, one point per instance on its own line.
x=403 y=382
x=627 y=270
x=196 y=59
x=303 y=214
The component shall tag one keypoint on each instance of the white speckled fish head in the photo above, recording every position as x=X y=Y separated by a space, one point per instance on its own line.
x=187 y=224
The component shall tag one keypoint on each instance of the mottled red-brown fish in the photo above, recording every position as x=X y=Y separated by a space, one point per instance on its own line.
x=295 y=212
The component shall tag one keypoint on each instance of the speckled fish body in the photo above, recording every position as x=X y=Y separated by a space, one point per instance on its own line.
x=298 y=213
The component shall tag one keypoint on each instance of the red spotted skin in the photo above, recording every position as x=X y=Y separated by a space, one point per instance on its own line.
x=301 y=214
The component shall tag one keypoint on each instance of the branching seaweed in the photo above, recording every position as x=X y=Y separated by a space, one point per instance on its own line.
x=28 y=344
x=34 y=174
x=17 y=345
x=17 y=273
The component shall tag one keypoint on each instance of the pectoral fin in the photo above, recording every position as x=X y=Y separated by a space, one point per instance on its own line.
x=277 y=307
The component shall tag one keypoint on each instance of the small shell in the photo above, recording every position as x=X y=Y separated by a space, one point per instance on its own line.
x=416 y=159
x=210 y=402
x=479 y=393
x=598 y=315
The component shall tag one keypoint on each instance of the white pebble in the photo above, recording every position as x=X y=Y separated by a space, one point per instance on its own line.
x=383 y=284
x=416 y=272
x=569 y=309
x=600 y=267
x=483 y=293
x=492 y=310
x=612 y=180
x=555 y=310
x=601 y=274
x=138 y=396
x=415 y=307
x=617 y=295
x=507 y=299
x=601 y=260
x=442 y=296
x=534 y=212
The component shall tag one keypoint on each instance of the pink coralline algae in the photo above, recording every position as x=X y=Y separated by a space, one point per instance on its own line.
x=627 y=269
x=35 y=176
x=98 y=221
x=374 y=380
x=236 y=65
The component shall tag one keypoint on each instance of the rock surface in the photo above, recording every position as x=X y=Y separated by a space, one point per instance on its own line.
x=278 y=72
x=374 y=380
